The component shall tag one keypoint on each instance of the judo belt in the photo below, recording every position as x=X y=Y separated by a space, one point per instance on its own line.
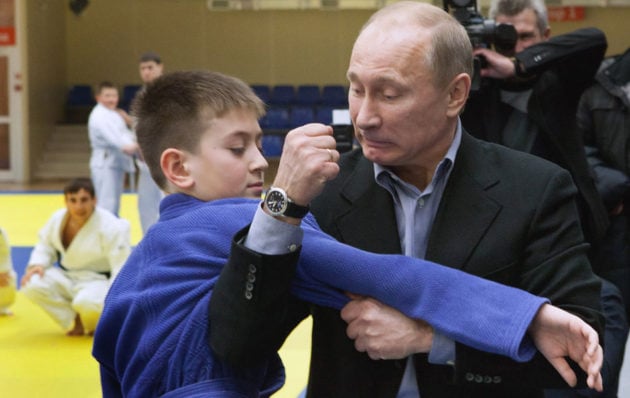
x=106 y=273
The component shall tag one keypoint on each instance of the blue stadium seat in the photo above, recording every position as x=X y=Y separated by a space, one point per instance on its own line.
x=277 y=118
x=323 y=114
x=301 y=115
x=307 y=94
x=335 y=95
x=263 y=92
x=272 y=145
x=282 y=94
x=128 y=94
x=79 y=104
x=80 y=95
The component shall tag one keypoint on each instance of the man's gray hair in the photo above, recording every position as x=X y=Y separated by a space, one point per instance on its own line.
x=511 y=8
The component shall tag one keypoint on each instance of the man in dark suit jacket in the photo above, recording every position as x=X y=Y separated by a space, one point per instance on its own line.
x=547 y=79
x=528 y=101
x=421 y=186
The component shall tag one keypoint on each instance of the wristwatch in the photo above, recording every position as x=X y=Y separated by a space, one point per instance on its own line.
x=279 y=204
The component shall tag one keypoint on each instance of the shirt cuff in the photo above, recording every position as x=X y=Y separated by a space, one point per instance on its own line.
x=442 y=350
x=267 y=235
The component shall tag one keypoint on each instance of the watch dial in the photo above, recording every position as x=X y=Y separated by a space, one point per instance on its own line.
x=275 y=201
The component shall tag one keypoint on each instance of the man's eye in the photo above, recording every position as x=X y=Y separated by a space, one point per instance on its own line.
x=238 y=151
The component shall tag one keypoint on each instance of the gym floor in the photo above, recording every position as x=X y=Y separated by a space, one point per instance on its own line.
x=39 y=360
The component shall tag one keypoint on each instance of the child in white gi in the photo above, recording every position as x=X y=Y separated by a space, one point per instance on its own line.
x=89 y=245
x=113 y=145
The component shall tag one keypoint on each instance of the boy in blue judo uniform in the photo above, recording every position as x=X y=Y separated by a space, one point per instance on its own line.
x=201 y=140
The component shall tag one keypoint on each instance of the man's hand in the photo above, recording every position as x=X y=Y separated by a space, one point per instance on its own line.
x=558 y=334
x=497 y=66
x=383 y=332
x=30 y=271
x=309 y=159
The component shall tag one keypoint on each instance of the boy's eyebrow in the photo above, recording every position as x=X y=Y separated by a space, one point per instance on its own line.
x=246 y=134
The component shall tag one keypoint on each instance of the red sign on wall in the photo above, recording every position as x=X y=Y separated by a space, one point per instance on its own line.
x=7 y=36
x=567 y=13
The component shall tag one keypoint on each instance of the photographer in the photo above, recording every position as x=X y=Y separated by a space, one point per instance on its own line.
x=527 y=100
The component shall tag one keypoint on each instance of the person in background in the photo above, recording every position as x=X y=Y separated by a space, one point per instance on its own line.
x=113 y=147
x=153 y=335
x=80 y=250
x=7 y=275
x=149 y=194
x=420 y=185
x=529 y=94
x=603 y=119
x=528 y=101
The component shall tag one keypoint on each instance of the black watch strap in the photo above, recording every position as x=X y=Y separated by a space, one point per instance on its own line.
x=295 y=211
x=280 y=205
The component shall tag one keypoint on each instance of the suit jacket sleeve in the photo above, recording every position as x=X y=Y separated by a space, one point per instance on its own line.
x=251 y=324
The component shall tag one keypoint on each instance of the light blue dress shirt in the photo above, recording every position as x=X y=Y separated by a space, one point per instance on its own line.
x=415 y=211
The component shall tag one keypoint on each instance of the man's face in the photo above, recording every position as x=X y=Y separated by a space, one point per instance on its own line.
x=80 y=205
x=399 y=115
x=150 y=71
x=228 y=162
x=108 y=97
x=527 y=30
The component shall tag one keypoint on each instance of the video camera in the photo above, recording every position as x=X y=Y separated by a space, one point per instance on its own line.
x=482 y=32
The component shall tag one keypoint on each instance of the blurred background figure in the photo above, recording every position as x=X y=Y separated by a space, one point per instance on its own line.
x=113 y=145
x=7 y=275
x=149 y=194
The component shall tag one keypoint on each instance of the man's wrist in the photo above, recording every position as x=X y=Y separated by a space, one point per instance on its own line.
x=277 y=203
x=288 y=220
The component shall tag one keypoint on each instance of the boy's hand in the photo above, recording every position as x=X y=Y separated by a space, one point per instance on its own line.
x=558 y=334
x=30 y=271
x=309 y=159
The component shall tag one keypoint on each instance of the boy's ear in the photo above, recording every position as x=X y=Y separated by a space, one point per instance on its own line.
x=173 y=163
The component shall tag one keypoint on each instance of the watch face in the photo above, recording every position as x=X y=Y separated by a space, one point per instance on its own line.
x=276 y=202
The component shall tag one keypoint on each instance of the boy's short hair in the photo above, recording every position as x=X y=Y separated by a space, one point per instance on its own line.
x=150 y=56
x=105 y=84
x=169 y=112
x=78 y=184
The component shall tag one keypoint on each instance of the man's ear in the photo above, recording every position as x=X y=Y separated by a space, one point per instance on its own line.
x=175 y=169
x=458 y=91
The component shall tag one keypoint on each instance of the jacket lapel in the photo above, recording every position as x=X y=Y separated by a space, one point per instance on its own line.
x=466 y=211
x=370 y=216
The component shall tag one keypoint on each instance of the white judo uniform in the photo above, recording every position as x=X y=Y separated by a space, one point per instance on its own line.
x=7 y=293
x=108 y=134
x=87 y=267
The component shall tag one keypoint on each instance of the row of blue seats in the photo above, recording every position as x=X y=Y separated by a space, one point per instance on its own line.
x=82 y=95
x=288 y=117
x=334 y=95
